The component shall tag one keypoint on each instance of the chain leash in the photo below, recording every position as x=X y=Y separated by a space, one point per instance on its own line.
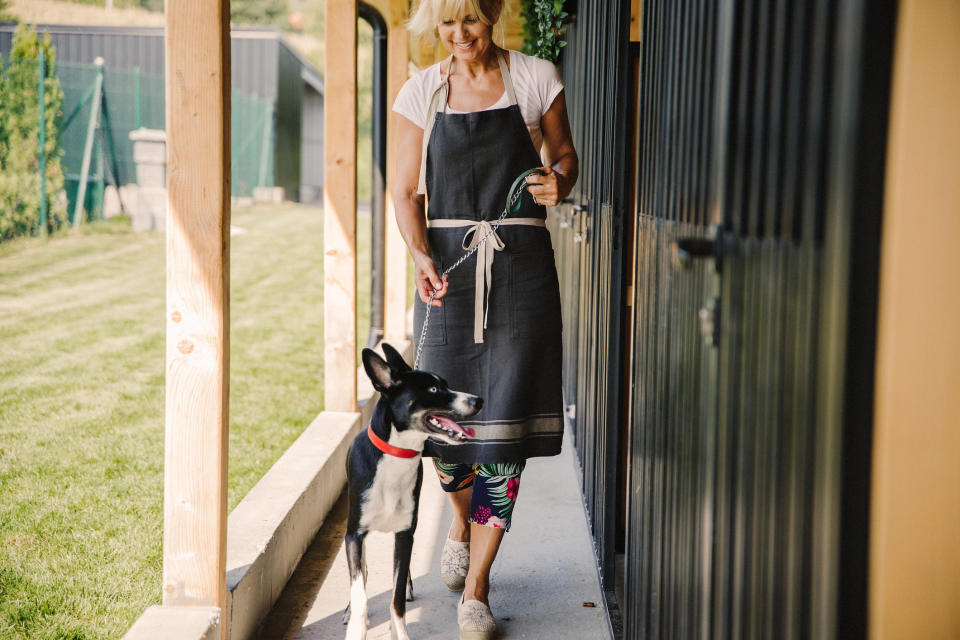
x=513 y=196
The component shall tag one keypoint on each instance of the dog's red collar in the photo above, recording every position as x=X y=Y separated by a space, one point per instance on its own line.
x=388 y=448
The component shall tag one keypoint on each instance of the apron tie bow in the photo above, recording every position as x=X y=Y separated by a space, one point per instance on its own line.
x=482 y=232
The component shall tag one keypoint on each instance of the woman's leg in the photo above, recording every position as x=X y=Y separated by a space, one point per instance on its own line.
x=460 y=527
x=495 y=491
x=484 y=544
x=457 y=481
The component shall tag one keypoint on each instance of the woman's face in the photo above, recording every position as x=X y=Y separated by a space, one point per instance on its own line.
x=467 y=38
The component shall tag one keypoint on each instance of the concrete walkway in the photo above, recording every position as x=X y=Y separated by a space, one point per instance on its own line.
x=543 y=582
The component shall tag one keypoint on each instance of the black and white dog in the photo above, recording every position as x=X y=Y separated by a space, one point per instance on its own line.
x=384 y=472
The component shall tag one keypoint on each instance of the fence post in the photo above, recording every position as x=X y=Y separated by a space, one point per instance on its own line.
x=88 y=144
x=42 y=76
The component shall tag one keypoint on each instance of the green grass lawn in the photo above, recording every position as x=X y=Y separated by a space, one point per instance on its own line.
x=81 y=405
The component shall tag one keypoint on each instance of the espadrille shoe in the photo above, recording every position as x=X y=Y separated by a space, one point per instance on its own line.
x=454 y=564
x=475 y=620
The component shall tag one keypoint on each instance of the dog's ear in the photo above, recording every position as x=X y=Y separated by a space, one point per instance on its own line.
x=379 y=372
x=394 y=358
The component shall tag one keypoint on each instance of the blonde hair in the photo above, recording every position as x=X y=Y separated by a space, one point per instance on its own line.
x=430 y=13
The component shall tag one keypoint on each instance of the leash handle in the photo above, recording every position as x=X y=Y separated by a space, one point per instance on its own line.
x=514 y=196
x=513 y=202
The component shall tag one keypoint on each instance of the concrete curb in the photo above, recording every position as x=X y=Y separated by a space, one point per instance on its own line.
x=200 y=623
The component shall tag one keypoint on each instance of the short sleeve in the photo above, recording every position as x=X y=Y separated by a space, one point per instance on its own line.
x=549 y=83
x=409 y=103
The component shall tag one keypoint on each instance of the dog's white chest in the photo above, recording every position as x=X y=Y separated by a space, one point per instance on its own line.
x=389 y=502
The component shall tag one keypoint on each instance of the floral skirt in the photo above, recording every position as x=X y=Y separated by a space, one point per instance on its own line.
x=495 y=488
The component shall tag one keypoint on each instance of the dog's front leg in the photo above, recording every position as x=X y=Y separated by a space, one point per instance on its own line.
x=357 y=609
x=402 y=548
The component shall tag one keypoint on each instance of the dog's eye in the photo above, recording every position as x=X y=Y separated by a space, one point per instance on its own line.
x=432 y=389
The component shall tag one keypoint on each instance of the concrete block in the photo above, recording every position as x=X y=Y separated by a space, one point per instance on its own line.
x=176 y=623
x=268 y=194
x=111 y=202
x=128 y=194
x=151 y=175
x=149 y=146
x=310 y=194
x=151 y=211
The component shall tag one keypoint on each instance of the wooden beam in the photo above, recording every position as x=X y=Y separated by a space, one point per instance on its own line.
x=636 y=20
x=340 y=207
x=915 y=511
x=396 y=283
x=198 y=303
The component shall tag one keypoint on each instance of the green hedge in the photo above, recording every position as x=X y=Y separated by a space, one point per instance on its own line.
x=20 y=180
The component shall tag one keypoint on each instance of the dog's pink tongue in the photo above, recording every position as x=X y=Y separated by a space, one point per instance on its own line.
x=450 y=424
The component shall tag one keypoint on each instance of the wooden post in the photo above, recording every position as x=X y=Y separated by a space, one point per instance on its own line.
x=395 y=264
x=636 y=20
x=198 y=255
x=340 y=208
x=915 y=504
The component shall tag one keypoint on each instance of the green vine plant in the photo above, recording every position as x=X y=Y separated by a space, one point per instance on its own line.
x=544 y=22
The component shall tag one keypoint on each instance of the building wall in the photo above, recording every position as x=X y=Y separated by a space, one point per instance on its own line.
x=290 y=90
x=262 y=65
x=311 y=163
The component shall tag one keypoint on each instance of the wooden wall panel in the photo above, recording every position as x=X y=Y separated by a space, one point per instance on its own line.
x=915 y=520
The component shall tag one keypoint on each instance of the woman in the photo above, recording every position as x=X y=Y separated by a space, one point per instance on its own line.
x=467 y=127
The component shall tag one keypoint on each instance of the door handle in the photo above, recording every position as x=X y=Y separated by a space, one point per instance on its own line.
x=716 y=245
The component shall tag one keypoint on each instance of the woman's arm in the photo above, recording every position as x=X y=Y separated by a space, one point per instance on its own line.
x=565 y=168
x=409 y=206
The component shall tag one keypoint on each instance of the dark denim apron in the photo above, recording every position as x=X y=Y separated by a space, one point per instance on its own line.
x=498 y=332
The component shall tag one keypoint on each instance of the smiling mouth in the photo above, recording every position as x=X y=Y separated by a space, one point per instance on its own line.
x=449 y=427
x=465 y=45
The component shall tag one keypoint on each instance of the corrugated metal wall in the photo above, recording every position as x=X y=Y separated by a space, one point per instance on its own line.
x=588 y=234
x=311 y=168
x=262 y=65
x=760 y=150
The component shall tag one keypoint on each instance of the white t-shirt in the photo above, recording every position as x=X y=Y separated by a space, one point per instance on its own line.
x=536 y=83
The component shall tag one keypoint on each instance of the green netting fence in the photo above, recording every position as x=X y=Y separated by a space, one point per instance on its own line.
x=124 y=100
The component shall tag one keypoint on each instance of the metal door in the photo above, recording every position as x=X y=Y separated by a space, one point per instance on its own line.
x=762 y=138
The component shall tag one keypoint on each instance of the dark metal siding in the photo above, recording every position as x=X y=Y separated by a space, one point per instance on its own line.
x=289 y=87
x=761 y=133
x=254 y=54
x=311 y=166
x=261 y=65
x=254 y=65
x=120 y=47
x=587 y=236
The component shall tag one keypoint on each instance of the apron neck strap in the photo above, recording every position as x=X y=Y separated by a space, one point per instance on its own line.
x=438 y=104
x=507 y=80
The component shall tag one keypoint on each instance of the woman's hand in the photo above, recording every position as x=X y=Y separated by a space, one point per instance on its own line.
x=545 y=189
x=428 y=280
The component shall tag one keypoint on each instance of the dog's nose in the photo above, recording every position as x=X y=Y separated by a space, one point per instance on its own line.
x=477 y=403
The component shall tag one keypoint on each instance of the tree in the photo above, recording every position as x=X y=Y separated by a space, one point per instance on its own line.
x=257 y=11
x=20 y=180
x=5 y=14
